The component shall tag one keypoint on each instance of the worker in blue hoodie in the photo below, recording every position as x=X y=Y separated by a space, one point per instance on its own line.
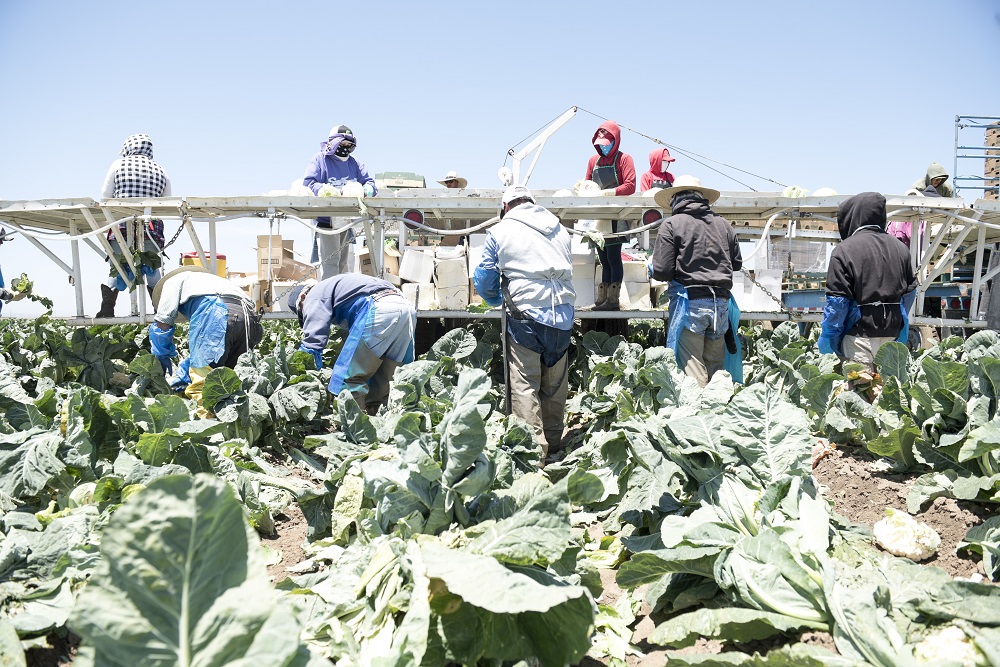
x=870 y=284
x=527 y=266
x=380 y=325
x=334 y=167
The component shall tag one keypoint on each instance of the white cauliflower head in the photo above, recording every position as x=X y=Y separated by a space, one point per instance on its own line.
x=353 y=189
x=948 y=644
x=901 y=535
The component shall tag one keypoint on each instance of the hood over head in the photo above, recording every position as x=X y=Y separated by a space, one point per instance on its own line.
x=338 y=133
x=537 y=217
x=138 y=144
x=656 y=159
x=866 y=209
x=611 y=127
x=935 y=171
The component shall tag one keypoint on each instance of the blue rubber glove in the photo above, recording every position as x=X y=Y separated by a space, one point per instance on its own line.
x=317 y=355
x=825 y=345
x=369 y=190
x=165 y=363
x=182 y=378
x=835 y=315
x=161 y=341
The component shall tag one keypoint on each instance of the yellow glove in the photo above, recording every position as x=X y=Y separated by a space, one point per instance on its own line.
x=610 y=192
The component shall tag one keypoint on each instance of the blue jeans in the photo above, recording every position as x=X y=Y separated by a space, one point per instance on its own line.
x=547 y=341
x=706 y=317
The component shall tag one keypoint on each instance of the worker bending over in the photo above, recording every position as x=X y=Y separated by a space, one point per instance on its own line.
x=527 y=266
x=380 y=325
x=223 y=325
x=870 y=284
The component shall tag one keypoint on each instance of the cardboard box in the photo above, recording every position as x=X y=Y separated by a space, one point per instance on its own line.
x=248 y=283
x=585 y=293
x=752 y=299
x=583 y=284
x=452 y=298
x=278 y=295
x=635 y=296
x=635 y=272
x=390 y=259
x=272 y=253
x=451 y=273
x=416 y=266
x=474 y=298
x=584 y=256
x=420 y=295
x=475 y=251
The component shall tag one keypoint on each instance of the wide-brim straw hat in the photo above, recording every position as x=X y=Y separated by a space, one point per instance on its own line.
x=180 y=269
x=453 y=176
x=682 y=183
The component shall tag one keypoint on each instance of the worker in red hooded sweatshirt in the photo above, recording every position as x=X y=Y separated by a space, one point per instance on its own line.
x=614 y=173
x=657 y=176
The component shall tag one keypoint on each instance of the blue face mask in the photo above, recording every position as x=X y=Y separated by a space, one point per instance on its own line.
x=606 y=150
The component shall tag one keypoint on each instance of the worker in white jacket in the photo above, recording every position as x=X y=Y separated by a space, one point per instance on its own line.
x=223 y=325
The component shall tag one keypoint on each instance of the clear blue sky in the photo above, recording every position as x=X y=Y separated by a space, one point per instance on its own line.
x=237 y=95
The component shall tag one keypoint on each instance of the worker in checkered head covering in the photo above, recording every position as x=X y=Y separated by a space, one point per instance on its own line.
x=135 y=175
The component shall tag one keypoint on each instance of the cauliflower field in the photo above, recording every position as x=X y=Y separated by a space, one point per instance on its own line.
x=730 y=525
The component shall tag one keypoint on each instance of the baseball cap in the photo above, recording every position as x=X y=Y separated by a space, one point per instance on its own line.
x=516 y=192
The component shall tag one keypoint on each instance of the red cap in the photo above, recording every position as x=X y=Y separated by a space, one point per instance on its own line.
x=602 y=141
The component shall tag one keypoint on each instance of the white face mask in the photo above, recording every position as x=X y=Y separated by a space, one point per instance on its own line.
x=664 y=166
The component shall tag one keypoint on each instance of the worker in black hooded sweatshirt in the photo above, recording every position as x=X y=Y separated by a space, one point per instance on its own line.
x=870 y=284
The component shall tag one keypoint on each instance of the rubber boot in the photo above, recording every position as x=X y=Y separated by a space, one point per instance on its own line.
x=109 y=297
x=611 y=303
x=150 y=291
x=602 y=295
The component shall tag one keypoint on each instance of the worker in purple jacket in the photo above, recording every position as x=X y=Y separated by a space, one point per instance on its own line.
x=333 y=167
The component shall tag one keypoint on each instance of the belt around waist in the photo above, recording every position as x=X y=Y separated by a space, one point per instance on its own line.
x=236 y=300
x=389 y=291
x=699 y=292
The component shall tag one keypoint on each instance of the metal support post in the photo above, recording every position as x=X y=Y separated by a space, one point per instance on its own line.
x=195 y=240
x=77 y=273
x=212 y=249
x=130 y=243
x=122 y=244
x=106 y=246
x=977 y=281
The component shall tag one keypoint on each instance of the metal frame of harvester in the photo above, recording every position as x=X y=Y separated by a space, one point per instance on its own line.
x=955 y=231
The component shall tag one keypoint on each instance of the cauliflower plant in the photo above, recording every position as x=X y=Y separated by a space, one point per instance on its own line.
x=901 y=535
x=948 y=645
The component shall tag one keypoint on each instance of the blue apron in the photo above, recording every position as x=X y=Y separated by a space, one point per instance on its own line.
x=679 y=304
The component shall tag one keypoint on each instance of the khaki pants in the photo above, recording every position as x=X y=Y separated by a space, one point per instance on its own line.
x=333 y=253
x=538 y=394
x=862 y=349
x=700 y=357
